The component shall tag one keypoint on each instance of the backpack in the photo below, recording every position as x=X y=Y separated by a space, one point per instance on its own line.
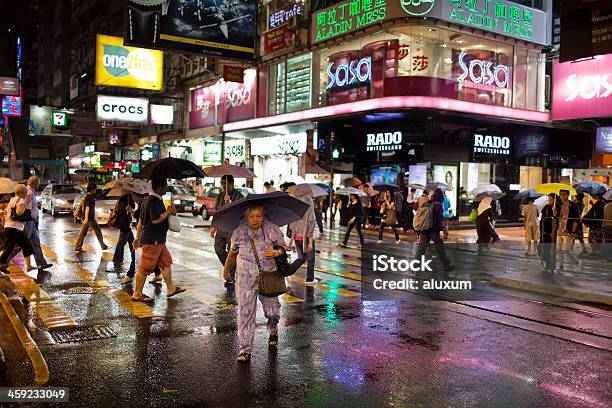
x=423 y=219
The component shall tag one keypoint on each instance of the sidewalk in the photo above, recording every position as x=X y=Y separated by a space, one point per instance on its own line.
x=590 y=283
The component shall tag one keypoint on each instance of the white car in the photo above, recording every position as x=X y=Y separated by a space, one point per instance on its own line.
x=58 y=198
x=104 y=206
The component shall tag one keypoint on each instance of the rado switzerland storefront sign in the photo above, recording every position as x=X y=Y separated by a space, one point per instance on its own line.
x=492 y=145
x=384 y=141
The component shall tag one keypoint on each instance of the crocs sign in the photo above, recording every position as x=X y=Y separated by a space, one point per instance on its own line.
x=349 y=74
x=119 y=109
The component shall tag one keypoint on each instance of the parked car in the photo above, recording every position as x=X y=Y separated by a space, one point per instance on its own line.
x=205 y=206
x=180 y=197
x=104 y=205
x=58 y=198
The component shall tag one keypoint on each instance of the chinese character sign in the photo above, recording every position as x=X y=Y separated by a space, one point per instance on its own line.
x=11 y=106
x=347 y=16
x=500 y=16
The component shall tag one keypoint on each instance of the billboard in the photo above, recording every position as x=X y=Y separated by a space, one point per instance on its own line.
x=120 y=109
x=9 y=86
x=603 y=141
x=223 y=28
x=162 y=114
x=586 y=28
x=129 y=67
x=223 y=102
x=502 y=17
x=582 y=89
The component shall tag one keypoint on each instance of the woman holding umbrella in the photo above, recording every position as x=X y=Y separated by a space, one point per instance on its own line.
x=389 y=216
x=484 y=223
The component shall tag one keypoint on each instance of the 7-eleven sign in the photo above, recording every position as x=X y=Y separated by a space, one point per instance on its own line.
x=60 y=119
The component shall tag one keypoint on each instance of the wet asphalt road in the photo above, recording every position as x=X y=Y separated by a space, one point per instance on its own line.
x=334 y=349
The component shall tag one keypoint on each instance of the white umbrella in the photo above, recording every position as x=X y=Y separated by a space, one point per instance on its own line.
x=7 y=186
x=307 y=189
x=230 y=170
x=540 y=202
x=351 y=190
x=441 y=186
x=137 y=186
x=485 y=188
x=117 y=192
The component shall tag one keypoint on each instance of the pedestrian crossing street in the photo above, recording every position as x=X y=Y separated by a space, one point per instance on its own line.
x=196 y=267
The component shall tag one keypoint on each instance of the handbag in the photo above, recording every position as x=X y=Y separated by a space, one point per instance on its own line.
x=24 y=217
x=174 y=224
x=270 y=283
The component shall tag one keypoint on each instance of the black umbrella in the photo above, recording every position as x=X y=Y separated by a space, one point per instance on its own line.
x=385 y=187
x=171 y=168
x=280 y=208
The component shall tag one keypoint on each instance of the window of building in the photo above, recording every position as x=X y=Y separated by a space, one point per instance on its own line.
x=289 y=85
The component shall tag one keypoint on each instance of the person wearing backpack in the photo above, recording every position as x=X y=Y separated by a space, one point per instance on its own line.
x=17 y=215
x=122 y=214
x=429 y=223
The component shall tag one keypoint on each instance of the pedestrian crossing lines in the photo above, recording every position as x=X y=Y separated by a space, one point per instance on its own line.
x=49 y=312
x=121 y=297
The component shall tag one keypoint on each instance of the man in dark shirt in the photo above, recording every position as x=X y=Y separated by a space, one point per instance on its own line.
x=88 y=217
x=151 y=236
x=222 y=239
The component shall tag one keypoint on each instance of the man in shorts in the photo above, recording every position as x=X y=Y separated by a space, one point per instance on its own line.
x=151 y=236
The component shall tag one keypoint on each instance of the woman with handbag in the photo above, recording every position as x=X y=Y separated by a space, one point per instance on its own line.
x=389 y=217
x=484 y=223
x=14 y=226
x=254 y=246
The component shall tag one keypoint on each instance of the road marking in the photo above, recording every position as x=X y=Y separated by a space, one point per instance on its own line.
x=49 y=312
x=323 y=287
x=203 y=297
x=41 y=370
x=121 y=297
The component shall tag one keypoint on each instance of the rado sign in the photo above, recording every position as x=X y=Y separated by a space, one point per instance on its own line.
x=492 y=144
x=383 y=142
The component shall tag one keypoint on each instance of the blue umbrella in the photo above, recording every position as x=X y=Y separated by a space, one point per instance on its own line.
x=527 y=194
x=325 y=187
x=591 y=187
x=280 y=208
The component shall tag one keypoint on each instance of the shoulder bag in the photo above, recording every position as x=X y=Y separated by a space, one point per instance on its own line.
x=24 y=217
x=271 y=283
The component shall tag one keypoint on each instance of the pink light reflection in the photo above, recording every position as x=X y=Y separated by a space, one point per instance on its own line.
x=573 y=395
x=391 y=102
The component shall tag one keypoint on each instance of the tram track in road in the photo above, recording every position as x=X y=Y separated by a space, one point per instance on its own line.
x=600 y=340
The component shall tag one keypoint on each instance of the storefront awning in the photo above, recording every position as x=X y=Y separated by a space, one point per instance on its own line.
x=391 y=102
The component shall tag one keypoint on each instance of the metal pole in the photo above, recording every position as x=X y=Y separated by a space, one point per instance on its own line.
x=331 y=173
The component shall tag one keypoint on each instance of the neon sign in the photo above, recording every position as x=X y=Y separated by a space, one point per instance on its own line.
x=386 y=141
x=492 y=144
x=417 y=7
x=348 y=74
x=485 y=74
x=346 y=17
x=281 y=17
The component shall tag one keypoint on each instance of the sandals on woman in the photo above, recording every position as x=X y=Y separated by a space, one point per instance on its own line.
x=273 y=340
x=243 y=358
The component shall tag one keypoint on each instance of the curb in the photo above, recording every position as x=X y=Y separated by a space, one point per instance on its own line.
x=570 y=294
x=41 y=370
